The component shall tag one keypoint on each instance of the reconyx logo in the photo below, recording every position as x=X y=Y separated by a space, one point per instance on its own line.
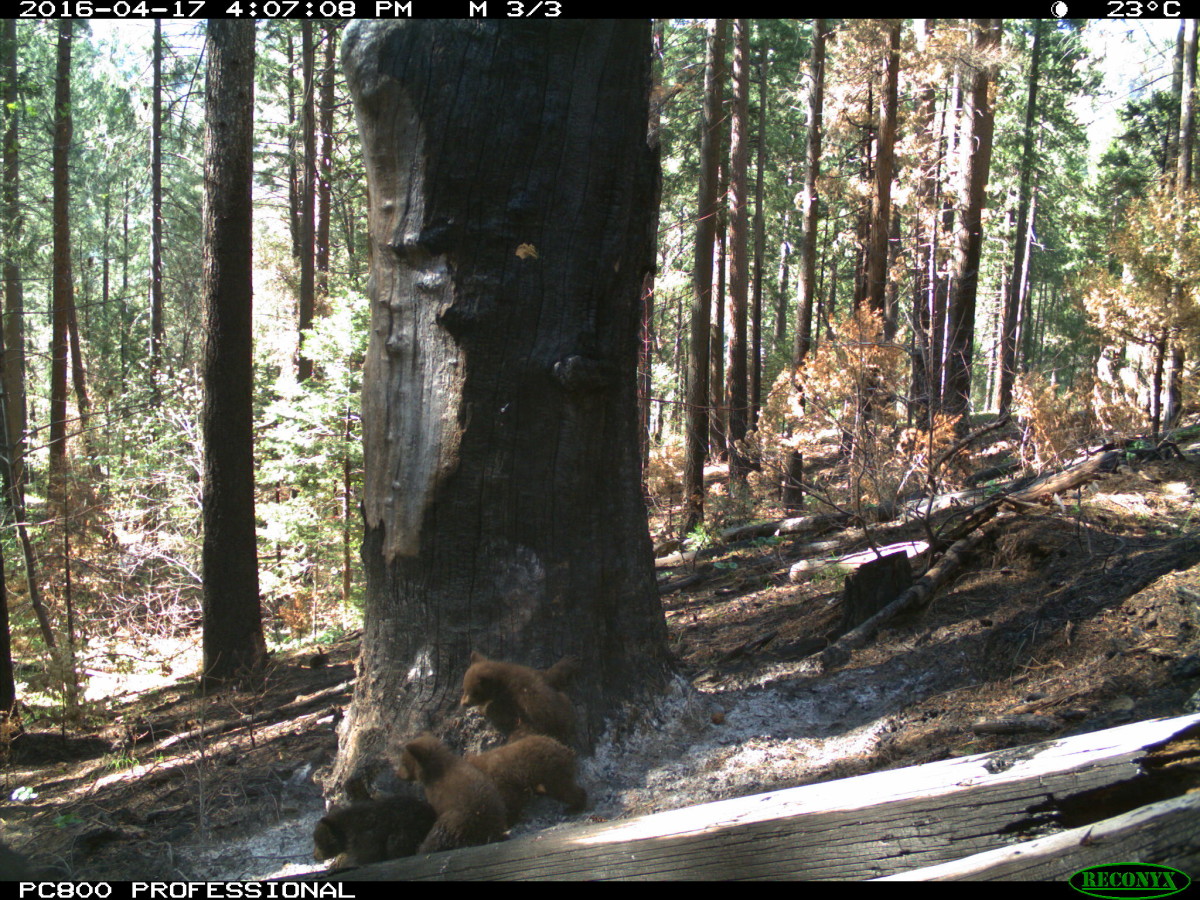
x=1139 y=881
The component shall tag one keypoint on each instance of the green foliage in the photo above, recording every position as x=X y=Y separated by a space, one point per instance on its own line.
x=309 y=445
x=700 y=538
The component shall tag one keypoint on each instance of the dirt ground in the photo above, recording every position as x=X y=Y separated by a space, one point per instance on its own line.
x=1082 y=614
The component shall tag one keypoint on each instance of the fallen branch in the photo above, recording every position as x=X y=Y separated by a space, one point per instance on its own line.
x=1067 y=479
x=276 y=712
x=776 y=527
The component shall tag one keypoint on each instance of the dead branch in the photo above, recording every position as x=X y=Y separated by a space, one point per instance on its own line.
x=279 y=712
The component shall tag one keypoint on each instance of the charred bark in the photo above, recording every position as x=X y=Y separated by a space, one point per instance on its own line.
x=502 y=479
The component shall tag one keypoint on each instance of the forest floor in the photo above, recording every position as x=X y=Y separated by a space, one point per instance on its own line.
x=1080 y=614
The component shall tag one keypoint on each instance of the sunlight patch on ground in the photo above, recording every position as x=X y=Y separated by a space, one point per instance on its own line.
x=125 y=668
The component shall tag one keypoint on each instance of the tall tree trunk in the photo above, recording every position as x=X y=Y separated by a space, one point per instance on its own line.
x=13 y=417
x=10 y=201
x=234 y=648
x=718 y=414
x=308 y=179
x=701 y=310
x=964 y=273
x=325 y=169
x=63 y=286
x=1187 y=102
x=739 y=270
x=779 y=337
x=502 y=486
x=156 y=216
x=646 y=333
x=1172 y=139
x=756 y=349
x=1022 y=244
x=78 y=373
x=1172 y=402
x=806 y=275
x=862 y=230
x=13 y=370
x=295 y=178
x=881 y=210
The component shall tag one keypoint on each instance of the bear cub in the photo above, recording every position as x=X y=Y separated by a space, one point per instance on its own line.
x=372 y=831
x=531 y=765
x=468 y=806
x=522 y=701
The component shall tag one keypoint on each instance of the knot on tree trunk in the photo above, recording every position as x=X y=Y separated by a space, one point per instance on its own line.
x=578 y=374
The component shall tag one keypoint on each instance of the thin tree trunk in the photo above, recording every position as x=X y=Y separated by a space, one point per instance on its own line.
x=701 y=310
x=760 y=238
x=881 y=212
x=646 y=334
x=156 y=216
x=14 y=295
x=295 y=188
x=325 y=169
x=63 y=287
x=781 y=298
x=1172 y=403
x=12 y=385
x=308 y=183
x=1159 y=348
x=78 y=373
x=806 y=276
x=739 y=273
x=1017 y=283
x=718 y=407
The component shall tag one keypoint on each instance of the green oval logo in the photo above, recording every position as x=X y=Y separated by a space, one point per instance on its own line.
x=1122 y=881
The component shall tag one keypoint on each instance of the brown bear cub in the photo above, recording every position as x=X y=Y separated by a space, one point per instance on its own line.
x=519 y=700
x=469 y=809
x=532 y=765
x=372 y=831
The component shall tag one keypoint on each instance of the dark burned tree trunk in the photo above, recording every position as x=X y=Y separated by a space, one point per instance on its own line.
x=233 y=637
x=502 y=480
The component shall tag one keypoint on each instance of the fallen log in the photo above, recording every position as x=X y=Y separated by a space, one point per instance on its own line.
x=264 y=715
x=1168 y=830
x=1027 y=492
x=1049 y=485
x=776 y=527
